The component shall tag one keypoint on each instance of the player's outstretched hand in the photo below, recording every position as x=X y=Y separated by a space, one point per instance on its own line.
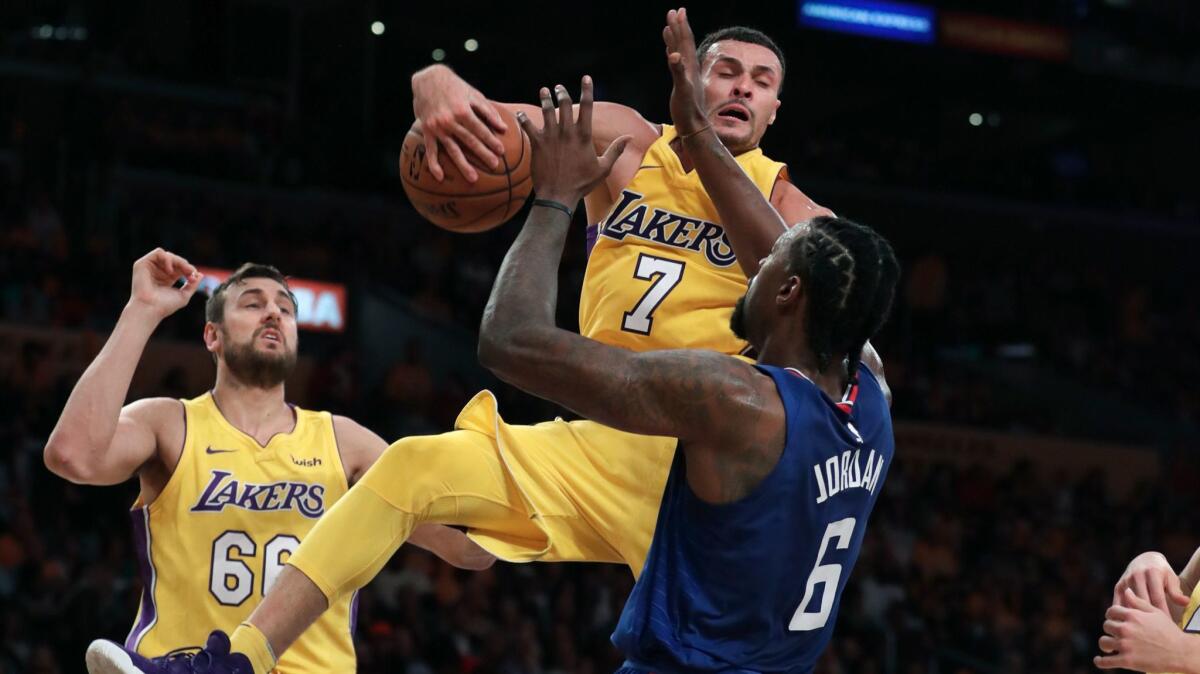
x=1152 y=579
x=154 y=277
x=564 y=163
x=687 y=93
x=1140 y=637
x=454 y=115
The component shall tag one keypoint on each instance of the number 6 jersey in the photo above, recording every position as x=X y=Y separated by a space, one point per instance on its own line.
x=220 y=532
x=754 y=585
x=662 y=274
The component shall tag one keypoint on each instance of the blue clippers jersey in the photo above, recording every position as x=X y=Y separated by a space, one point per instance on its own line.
x=754 y=585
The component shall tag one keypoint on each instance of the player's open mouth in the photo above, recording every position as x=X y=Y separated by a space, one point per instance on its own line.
x=735 y=111
x=272 y=335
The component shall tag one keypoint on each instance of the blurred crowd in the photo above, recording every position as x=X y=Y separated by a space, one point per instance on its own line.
x=986 y=326
x=963 y=570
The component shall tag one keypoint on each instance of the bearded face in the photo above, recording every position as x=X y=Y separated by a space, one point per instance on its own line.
x=256 y=366
x=737 y=322
x=256 y=338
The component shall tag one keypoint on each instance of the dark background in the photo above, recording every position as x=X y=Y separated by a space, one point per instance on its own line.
x=1047 y=312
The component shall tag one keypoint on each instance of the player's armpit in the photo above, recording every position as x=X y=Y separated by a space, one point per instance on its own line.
x=358 y=445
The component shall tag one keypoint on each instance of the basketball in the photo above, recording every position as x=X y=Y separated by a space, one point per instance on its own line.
x=458 y=205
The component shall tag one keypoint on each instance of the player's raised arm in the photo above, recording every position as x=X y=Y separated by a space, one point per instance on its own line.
x=96 y=440
x=752 y=223
x=455 y=116
x=693 y=395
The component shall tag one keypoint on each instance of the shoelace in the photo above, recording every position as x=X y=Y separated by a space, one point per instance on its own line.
x=186 y=652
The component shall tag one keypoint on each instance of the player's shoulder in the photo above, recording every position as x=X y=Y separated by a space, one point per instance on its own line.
x=344 y=425
x=358 y=445
x=155 y=412
x=611 y=120
x=793 y=204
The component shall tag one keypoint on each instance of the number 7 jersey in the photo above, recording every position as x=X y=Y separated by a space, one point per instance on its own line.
x=221 y=530
x=662 y=274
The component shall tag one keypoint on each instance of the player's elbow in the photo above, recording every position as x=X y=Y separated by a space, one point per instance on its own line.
x=506 y=352
x=495 y=352
x=490 y=349
x=67 y=461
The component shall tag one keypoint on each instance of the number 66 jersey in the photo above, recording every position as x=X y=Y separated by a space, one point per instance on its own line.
x=662 y=274
x=213 y=542
x=754 y=585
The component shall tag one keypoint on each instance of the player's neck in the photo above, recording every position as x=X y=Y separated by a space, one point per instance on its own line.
x=685 y=161
x=790 y=351
x=257 y=412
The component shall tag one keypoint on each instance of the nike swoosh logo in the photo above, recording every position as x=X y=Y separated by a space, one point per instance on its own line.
x=210 y=450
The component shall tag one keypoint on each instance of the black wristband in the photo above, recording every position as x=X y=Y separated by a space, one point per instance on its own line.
x=558 y=206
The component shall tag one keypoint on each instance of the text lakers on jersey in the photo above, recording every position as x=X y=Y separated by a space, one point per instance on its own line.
x=633 y=217
x=220 y=532
x=662 y=273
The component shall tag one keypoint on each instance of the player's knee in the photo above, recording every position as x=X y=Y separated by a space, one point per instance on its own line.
x=403 y=457
x=419 y=469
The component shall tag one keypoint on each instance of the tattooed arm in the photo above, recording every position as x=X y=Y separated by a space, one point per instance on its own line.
x=713 y=403
x=727 y=415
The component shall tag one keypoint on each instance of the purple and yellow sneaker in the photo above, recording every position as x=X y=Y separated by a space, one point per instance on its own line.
x=107 y=657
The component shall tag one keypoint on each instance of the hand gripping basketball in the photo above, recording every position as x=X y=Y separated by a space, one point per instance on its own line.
x=565 y=166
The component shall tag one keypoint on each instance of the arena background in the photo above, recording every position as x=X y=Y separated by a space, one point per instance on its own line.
x=1033 y=162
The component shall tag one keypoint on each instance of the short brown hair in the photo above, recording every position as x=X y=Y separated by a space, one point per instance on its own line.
x=214 y=308
x=743 y=34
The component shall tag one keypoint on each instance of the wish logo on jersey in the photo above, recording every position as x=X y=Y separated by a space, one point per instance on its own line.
x=630 y=218
x=222 y=492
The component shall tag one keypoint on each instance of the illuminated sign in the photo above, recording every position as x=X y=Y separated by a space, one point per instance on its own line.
x=319 y=305
x=887 y=20
x=1004 y=36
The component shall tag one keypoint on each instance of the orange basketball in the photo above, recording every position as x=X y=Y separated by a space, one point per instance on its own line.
x=456 y=204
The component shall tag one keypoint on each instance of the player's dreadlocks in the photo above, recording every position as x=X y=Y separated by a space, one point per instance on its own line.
x=851 y=274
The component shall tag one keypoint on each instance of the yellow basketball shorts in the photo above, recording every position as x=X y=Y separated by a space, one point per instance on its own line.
x=555 y=491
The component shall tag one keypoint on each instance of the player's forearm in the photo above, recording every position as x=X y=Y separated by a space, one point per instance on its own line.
x=1185 y=655
x=452 y=546
x=89 y=420
x=520 y=311
x=750 y=221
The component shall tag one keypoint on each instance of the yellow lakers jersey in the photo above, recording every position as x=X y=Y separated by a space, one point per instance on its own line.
x=213 y=542
x=662 y=274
